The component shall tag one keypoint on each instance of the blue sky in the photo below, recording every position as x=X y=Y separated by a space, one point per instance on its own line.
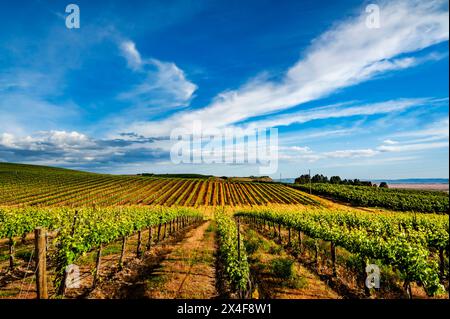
x=346 y=99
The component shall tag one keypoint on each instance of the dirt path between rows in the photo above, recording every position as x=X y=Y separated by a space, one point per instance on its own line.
x=182 y=267
x=303 y=284
x=188 y=271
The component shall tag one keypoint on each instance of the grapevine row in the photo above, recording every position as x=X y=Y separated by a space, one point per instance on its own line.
x=405 y=249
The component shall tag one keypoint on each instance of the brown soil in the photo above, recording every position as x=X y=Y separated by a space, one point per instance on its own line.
x=181 y=267
x=304 y=285
x=20 y=283
x=188 y=271
x=347 y=283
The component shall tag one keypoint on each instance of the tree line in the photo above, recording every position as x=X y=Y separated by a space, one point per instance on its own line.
x=319 y=178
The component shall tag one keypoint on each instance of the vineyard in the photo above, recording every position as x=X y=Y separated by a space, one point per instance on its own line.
x=22 y=185
x=394 y=199
x=414 y=245
x=411 y=249
x=77 y=232
x=246 y=239
x=232 y=254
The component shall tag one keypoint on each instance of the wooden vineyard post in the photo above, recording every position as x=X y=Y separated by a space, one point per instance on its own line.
x=333 y=258
x=279 y=234
x=442 y=263
x=24 y=238
x=138 y=248
x=62 y=287
x=300 y=240
x=316 y=247
x=289 y=236
x=165 y=231
x=159 y=230
x=97 y=266
x=122 y=254
x=239 y=238
x=407 y=287
x=74 y=223
x=41 y=263
x=11 y=245
x=150 y=238
x=239 y=246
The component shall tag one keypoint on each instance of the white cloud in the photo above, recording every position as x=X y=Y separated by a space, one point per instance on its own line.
x=439 y=129
x=306 y=153
x=435 y=131
x=338 y=111
x=300 y=149
x=390 y=142
x=173 y=80
x=163 y=84
x=47 y=140
x=7 y=139
x=66 y=139
x=433 y=136
x=351 y=153
x=412 y=147
x=131 y=54
x=346 y=55
x=77 y=150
